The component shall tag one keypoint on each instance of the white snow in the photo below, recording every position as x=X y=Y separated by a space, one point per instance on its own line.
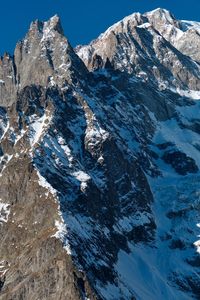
x=145 y=25
x=145 y=271
x=94 y=132
x=66 y=150
x=48 y=32
x=38 y=128
x=43 y=182
x=126 y=224
x=6 y=159
x=61 y=234
x=138 y=273
x=4 y=212
x=159 y=10
x=3 y=267
x=189 y=113
x=187 y=93
x=82 y=177
x=187 y=25
x=197 y=243
x=52 y=81
x=84 y=53
x=183 y=139
x=18 y=137
x=4 y=129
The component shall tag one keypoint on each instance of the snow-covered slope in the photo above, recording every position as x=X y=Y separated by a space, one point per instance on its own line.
x=100 y=164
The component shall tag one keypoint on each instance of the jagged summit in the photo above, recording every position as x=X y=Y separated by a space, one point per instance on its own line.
x=138 y=18
x=44 y=57
x=162 y=13
x=53 y=24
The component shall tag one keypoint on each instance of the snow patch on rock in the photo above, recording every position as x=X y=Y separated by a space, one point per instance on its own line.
x=4 y=212
x=43 y=182
x=38 y=128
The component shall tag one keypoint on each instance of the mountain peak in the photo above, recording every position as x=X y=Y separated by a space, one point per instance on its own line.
x=141 y=38
x=44 y=57
x=54 y=23
x=159 y=10
x=161 y=14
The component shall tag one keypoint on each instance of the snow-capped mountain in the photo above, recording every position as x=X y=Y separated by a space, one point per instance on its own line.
x=99 y=163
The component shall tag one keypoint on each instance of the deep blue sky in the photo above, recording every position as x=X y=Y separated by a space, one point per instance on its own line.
x=83 y=20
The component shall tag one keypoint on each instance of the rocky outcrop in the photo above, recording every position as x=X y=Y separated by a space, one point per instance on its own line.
x=7 y=80
x=45 y=56
x=184 y=35
x=36 y=265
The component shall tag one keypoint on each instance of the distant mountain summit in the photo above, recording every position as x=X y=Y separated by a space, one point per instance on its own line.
x=99 y=163
x=148 y=44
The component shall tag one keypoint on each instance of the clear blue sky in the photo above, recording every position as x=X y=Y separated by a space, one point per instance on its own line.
x=83 y=20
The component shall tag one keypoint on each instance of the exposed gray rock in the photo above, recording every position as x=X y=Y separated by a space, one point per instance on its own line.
x=45 y=56
x=7 y=80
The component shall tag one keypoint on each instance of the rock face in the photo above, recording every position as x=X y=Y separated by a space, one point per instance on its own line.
x=7 y=80
x=44 y=57
x=99 y=163
x=144 y=45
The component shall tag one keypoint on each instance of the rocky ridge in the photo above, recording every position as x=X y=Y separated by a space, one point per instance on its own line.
x=99 y=163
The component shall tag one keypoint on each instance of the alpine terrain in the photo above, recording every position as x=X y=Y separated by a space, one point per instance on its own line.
x=100 y=163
